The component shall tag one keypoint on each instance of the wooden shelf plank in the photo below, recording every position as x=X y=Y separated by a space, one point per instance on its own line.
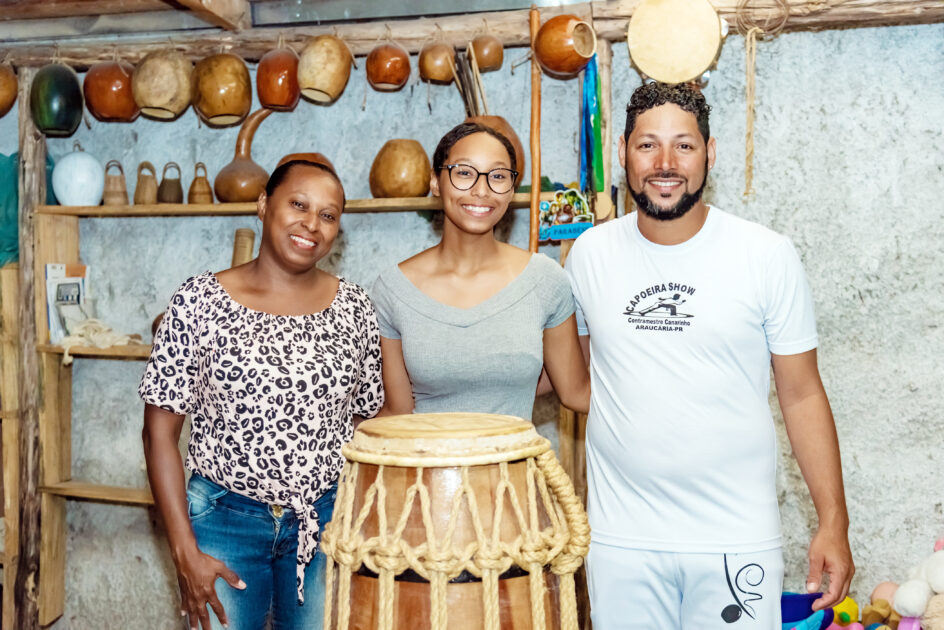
x=401 y=204
x=97 y=492
x=133 y=353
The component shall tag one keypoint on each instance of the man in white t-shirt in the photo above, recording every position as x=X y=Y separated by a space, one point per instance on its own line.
x=686 y=308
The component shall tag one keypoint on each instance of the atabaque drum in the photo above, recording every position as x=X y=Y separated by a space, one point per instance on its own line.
x=453 y=521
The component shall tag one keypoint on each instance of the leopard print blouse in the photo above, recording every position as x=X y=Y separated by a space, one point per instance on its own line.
x=271 y=397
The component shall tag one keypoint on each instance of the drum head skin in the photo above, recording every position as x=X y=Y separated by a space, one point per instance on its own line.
x=444 y=439
x=674 y=41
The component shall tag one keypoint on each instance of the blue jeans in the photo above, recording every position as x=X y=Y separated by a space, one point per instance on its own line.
x=260 y=548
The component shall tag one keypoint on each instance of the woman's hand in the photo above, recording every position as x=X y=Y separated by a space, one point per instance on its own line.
x=196 y=575
x=196 y=571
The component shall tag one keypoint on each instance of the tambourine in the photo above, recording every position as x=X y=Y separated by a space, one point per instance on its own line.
x=674 y=41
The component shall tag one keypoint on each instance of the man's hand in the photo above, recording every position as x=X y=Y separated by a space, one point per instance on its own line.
x=830 y=554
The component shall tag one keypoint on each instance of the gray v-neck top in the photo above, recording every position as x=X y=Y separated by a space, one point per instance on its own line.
x=486 y=358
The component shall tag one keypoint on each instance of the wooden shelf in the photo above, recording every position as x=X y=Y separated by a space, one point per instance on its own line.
x=130 y=353
x=401 y=204
x=97 y=492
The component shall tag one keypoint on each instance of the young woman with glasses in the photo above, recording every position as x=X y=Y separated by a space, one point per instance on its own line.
x=468 y=324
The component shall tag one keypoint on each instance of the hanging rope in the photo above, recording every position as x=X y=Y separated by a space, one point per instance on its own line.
x=748 y=26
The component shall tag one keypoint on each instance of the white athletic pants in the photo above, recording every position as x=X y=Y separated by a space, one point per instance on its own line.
x=636 y=589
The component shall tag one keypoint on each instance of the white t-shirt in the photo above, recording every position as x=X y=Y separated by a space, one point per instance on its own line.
x=681 y=447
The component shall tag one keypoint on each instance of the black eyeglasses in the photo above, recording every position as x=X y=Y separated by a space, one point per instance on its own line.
x=464 y=177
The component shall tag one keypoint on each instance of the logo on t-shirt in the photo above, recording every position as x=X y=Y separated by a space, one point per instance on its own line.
x=661 y=307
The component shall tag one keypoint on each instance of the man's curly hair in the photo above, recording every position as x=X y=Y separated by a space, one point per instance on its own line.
x=650 y=95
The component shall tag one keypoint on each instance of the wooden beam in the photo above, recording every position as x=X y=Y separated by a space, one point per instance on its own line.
x=9 y=366
x=232 y=15
x=610 y=19
x=511 y=27
x=55 y=437
x=32 y=190
x=31 y=9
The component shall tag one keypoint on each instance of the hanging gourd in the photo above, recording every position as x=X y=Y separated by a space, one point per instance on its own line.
x=8 y=88
x=221 y=89
x=108 y=94
x=324 y=68
x=56 y=100
x=564 y=45
x=161 y=84
x=277 y=79
x=388 y=67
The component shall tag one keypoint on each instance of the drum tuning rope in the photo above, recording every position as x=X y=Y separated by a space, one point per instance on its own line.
x=748 y=26
x=552 y=533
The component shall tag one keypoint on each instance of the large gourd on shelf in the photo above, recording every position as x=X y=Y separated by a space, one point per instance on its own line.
x=401 y=169
x=56 y=100
x=78 y=179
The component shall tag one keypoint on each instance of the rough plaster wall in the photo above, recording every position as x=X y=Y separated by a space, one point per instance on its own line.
x=847 y=163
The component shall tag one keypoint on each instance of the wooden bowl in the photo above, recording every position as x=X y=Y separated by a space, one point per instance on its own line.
x=161 y=84
x=388 y=67
x=564 y=45
x=401 y=169
x=489 y=52
x=436 y=62
x=277 y=80
x=221 y=89
x=8 y=88
x=502 y=126
x=108 y=94
x=324 y=68
x=56 y=100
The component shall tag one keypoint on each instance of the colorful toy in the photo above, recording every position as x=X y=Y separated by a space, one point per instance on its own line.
x=933 y=618
x=855 y=625
x=909 y=623
x=847 y=611
x=884 y=590
x=796 y=612
x=925 y=580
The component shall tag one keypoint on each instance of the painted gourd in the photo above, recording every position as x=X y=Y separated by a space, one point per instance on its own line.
x=78 y=179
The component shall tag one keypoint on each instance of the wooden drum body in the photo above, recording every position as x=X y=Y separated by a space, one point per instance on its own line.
x=458 y=521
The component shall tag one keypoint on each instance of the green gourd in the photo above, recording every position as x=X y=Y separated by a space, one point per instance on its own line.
x=56 y=100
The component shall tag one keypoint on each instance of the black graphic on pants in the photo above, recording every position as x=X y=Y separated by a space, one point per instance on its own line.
x=663 y=306
x=747 y=577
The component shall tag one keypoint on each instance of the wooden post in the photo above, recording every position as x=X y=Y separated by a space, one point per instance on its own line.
x=32 y=190
x=9 y=366
x=534 y=20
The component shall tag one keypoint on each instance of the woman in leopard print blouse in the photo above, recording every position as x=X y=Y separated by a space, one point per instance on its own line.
x=272 y=360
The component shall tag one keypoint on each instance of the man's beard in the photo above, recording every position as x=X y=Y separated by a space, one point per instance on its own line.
x=686 y=203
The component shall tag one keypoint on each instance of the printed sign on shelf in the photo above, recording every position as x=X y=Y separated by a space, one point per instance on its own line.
x=567 y=216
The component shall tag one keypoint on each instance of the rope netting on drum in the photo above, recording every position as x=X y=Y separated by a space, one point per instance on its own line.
x=560 y=545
